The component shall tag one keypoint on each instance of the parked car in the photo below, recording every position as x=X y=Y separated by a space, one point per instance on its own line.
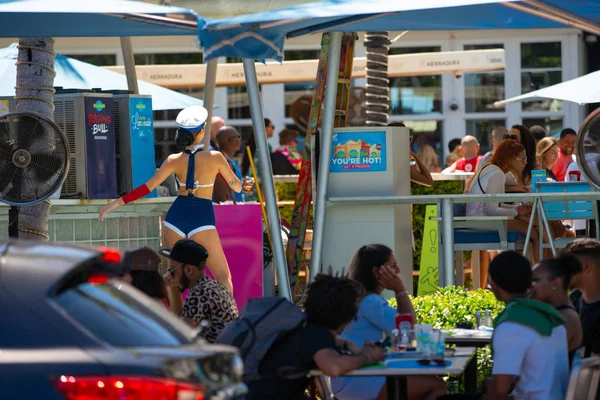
x=70 y=330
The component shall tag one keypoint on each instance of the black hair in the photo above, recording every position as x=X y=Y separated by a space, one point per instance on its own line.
x=149 y=282
x=183 y=138
x=267 y=122
x=538 y=132
x=332 y=302
x=361 y=266
x=528 y=141
x=567 y=131
x=511 y=272
x=564 y=266
x=585 y=247
x=454 y=143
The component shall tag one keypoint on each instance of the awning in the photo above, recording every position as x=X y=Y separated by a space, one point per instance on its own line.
x=582 y=90
x=75 y=74
x=261 y=36
x=68 y=18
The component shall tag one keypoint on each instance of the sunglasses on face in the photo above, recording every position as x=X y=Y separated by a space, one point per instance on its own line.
x=171 y=271
x=271 y=126
x=511 y=137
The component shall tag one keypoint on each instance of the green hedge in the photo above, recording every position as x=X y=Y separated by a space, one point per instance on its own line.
x=444 y=309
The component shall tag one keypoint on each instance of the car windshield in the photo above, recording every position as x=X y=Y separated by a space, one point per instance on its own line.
x=123 y=317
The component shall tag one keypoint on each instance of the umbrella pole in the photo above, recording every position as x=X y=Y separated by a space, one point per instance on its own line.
x=129 y=62
x=209 y=98
x=331 y=85
x=266 y=173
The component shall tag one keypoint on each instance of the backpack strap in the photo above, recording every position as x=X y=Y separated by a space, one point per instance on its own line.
x=479 y=177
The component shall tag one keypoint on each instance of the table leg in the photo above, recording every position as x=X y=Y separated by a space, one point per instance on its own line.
x=396 y=388
x=470 y=375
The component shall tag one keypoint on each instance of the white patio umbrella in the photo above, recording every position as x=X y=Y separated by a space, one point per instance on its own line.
x=582 y=90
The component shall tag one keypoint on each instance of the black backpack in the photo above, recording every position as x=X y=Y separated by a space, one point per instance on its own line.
x=262 y=322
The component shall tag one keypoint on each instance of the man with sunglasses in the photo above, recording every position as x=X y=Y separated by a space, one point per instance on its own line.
x=229 y=141
x=207 y=300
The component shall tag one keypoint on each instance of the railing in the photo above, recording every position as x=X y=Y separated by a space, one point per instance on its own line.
x=446 y=202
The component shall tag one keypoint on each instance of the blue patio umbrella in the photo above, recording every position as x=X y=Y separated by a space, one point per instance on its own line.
x=69 y=18
x=261 y=36
x=75 y=74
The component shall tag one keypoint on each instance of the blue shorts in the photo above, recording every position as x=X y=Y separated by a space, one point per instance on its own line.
x=189 y=215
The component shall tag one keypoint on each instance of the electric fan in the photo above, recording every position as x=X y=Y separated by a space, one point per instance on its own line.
x=34 y=158
x=588 y=148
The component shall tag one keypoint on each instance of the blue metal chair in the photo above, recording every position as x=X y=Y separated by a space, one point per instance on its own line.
x=559 y=210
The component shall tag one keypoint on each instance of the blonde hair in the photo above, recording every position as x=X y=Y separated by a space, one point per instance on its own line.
x=428 y=157
x=544 y=145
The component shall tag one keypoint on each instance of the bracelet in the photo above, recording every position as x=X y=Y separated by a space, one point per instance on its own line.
x=400 y=294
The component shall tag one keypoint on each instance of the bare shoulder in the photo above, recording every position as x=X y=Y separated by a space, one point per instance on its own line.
x=216 y=153
x=571 y=316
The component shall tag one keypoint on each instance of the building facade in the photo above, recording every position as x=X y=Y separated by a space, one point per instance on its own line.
x=437 y=108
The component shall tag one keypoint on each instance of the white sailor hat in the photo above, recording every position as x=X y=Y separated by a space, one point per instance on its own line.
x=192 y=118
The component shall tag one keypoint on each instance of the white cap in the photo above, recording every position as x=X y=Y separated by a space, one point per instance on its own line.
x=192 y=118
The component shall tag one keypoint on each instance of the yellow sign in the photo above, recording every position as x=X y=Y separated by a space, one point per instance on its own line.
x=430 y=272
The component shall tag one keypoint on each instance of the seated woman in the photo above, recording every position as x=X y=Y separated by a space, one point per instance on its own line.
x=143 y=266
x=331 y=303
x=551 y=282
x=522 y=135
x=490 y=179
x=376 y=268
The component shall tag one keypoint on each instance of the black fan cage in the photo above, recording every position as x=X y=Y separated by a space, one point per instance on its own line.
x=34 y=158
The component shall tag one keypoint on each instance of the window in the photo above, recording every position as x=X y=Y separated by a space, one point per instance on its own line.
x=168 y=58
x=483 y=89
x=426 y=132
x=552 y=125
x=482 y=130
x=415 y=94
x=116 y=317
x=541 y=66
x=99 y=60
x=293 y=91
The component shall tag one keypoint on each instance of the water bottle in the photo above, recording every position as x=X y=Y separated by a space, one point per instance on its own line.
x=488 y=319
x=425 y=345
x=477 y=319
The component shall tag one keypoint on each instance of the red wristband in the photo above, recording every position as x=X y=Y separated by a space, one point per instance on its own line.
x=136 y=193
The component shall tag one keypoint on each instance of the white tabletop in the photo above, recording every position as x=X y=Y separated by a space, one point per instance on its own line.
x=459 y=363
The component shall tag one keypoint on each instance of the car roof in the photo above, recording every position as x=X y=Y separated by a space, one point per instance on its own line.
x=39 y=264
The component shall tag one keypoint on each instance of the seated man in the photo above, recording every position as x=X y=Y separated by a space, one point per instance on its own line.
x=331 y=303
x=207 y=300
x=529 y=345
x=468 y=163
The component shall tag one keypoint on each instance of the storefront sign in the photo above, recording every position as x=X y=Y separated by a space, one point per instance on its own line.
x=358 y=152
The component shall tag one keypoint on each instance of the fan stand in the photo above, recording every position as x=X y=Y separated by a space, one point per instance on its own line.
x=13 y=222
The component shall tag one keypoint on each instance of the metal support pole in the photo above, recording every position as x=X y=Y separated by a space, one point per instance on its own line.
x=448 y=239
x=209 y=97
x=530 y=228
x=266 y=174
x=331 y=84
x=128 y=60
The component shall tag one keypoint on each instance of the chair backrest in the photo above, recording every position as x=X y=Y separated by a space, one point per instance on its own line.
x=584 y=379
x=567 y=209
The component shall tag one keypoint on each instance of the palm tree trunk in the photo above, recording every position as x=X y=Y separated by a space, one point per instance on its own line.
x=35 y=93
x=378 y=99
